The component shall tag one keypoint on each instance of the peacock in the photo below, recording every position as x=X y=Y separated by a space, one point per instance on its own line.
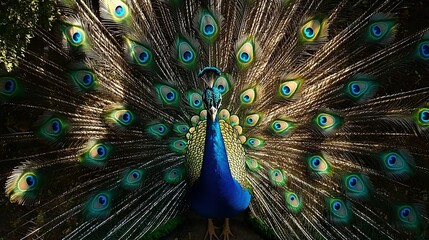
x=311 y=117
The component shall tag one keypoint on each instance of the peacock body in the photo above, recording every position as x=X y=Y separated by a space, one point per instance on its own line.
x=311 y=116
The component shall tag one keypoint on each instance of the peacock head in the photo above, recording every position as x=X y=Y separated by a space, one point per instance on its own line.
x=212 y=97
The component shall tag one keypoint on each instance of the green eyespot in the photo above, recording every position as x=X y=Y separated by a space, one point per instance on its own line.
x=361 y=88
x=253 y=164
x=281 y=127
x=252 y=120
x=223 y=83
x=99 y=205
x=167 y=95
x=178 y=145
x=313 y=30
x=157 y=130
x=53 y=128
x=422 y=49
x=120 y=117
x=23 y=187
x=186 y=53
x=140 y=54
x=422 y=117
x=132 y=179
x=328 y=121
x=289 y=88
x=84 y=80
x=245 y=53
x=95 y=154
x=397 y=163
x=174 y=175
x=255 y=143
x=381 y=30
x=248 y=96
x=195 y=100
x=408 y=217
x=118 y=10
x=9 y=87
x=318 y=165
x=208 y=26
x=277 y=177
x=340 y=212
x=181 y=128
x=75 y=35
x=293 y=201
x=356 y=186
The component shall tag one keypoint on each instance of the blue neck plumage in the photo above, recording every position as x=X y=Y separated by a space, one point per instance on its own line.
x=215 y=169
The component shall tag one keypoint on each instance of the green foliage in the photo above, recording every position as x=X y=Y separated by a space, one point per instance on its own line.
x=19 y=20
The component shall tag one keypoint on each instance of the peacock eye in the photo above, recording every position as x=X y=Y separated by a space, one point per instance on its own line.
x=327 y=121
x=253 y=164
x=293 y=201
x=281 y=127
x=178 y=145
x=95 y=154
x=53 y=128
x=27 y=182
x=380 y=30
x=174 y=175
x=223 y=84
x=288 y=88
x=394 y=161
x=186 y=53
x=407 y=214
x=255 y=143
x=121 y=117
x=397 y=163
x=424 y=116
x=74 y=35
x=119 y=11
x=248 y=96
x=318 y=164
x=9 y=86
x=180 y=128
x=245 y=53
x=423 y=50
x=251 y=120
x=277 y=177
x=310 y=30
x=339 y=212
x=167 y=94
x=157 y=130
x=208 y=26
x=195 y=100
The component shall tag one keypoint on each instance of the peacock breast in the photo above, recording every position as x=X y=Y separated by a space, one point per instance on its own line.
x=234 y=149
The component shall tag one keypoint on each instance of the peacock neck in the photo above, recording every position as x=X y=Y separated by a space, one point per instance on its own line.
x=215 y=169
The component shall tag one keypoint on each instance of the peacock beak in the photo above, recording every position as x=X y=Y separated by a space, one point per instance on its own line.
x=212 y=112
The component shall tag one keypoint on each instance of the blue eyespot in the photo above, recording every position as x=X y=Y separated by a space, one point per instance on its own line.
x=30 y=180
x=9 y=86
x=245 y=57
x=355 y=88
x=352 y=181
x=250 y=120
x=170 y=96
x=119 y=11
x=102 y=199
x=315 y=162
x=322 y=120
x=77 y=37
x=56 y=126
x=252 y=141
x=209 y=29
x=424 y=116
x=144 y=56
x=197 y=102
x=285 y=90
x=337 y=205
x=87 y=79
x=246 y=98
x=405 y=212
x=187 y=56
x=221 y=88
x=126 y=117
x=161 y=129
x=391 y=159
x=101 y=151
x=424 y=50
x=376 y=30
x=136 y=175
x=309 y=32
x=277 y=126
x=292 y=197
